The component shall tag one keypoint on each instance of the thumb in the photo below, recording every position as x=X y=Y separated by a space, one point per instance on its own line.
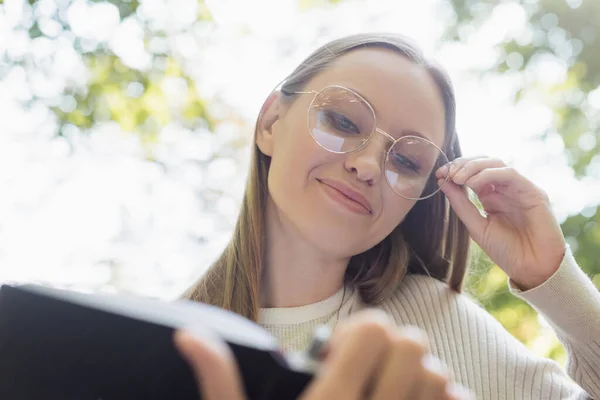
x=213 y=365
x=465 y=209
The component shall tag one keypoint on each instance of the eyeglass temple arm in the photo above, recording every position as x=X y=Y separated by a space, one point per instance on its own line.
x=291 y=93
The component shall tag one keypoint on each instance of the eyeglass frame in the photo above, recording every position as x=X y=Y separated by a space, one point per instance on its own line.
x=375 y=129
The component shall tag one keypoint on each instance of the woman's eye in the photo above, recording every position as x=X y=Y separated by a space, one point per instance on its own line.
x=341 y=123
x=404 y=162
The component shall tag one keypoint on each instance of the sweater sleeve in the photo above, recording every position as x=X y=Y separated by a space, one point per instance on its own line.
x=570 y=302
x=481 y=355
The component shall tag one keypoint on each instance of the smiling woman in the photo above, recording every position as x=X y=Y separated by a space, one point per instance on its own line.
x=355 y=204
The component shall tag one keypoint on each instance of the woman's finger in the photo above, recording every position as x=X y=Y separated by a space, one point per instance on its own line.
x=473 y=167
x=355 y=352
x=507 y=181
x=213 y=366
x=459 y=392
x=371 y=358
x=434 y=382
x=401 y=370
x=455 y=165
x=462 y=205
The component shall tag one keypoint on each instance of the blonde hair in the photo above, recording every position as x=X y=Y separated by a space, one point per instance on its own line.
x=430 y=240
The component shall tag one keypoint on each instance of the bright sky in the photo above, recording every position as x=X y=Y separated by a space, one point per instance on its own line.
x=62 y=218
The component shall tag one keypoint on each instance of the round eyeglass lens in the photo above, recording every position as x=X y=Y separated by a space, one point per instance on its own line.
x=340 y=120
x=410 y=167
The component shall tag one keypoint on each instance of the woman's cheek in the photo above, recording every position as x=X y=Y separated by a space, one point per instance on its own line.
x=395 y=208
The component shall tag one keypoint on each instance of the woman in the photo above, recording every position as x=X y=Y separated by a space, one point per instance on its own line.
x=357 y=199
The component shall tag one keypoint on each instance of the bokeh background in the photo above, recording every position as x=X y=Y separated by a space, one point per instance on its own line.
x=125 y=126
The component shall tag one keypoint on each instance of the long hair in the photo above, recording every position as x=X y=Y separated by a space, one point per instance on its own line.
x=430 y=240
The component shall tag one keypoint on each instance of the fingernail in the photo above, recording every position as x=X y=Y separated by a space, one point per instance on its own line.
x=459 y=392
x=453 y=168
x=434 y=364
x=444 y=170
x=182 y=341
x=209 y=338
x=414 y=333
x=319 y=342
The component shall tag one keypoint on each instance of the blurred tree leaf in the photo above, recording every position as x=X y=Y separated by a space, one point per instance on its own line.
x=306 y=4
x=584 y=235
x=126 y=8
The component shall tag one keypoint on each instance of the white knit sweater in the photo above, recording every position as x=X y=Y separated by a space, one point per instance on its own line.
x=479 y=353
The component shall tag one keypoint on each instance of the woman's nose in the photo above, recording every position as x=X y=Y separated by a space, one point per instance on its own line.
x=368 y=162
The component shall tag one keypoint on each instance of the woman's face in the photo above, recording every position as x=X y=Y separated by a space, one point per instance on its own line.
x=302 y=174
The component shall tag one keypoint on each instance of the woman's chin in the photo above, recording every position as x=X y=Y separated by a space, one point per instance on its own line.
x=339 y=241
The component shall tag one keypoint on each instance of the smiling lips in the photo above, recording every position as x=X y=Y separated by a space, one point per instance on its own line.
x=351 y=198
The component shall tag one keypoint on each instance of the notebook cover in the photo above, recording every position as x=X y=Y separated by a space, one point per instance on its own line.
x=57 y=344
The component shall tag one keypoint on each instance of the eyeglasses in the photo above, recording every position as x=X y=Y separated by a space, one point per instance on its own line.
x=341 y=121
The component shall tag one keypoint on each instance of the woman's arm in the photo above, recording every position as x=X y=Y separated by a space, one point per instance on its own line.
x=571 y=304
x=484 y=357
x=520 y=233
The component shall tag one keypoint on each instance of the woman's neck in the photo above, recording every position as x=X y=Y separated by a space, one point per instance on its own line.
x=295 y=272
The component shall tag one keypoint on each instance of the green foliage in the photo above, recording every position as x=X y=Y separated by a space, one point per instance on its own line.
x=560 y=32
x=126 y=8
x=107 y=98
x=583 y=232
x=132 y=96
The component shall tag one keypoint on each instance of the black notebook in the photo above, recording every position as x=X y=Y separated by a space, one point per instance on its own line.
x=65 y=345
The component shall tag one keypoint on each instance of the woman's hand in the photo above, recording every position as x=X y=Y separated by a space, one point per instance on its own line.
x=367 y=358
x=520 y=232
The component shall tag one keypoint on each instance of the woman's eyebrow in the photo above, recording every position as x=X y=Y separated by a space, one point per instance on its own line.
x=363 y=96
x=411 y=132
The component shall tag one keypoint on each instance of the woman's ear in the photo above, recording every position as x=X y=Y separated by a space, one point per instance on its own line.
x=269 y=115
